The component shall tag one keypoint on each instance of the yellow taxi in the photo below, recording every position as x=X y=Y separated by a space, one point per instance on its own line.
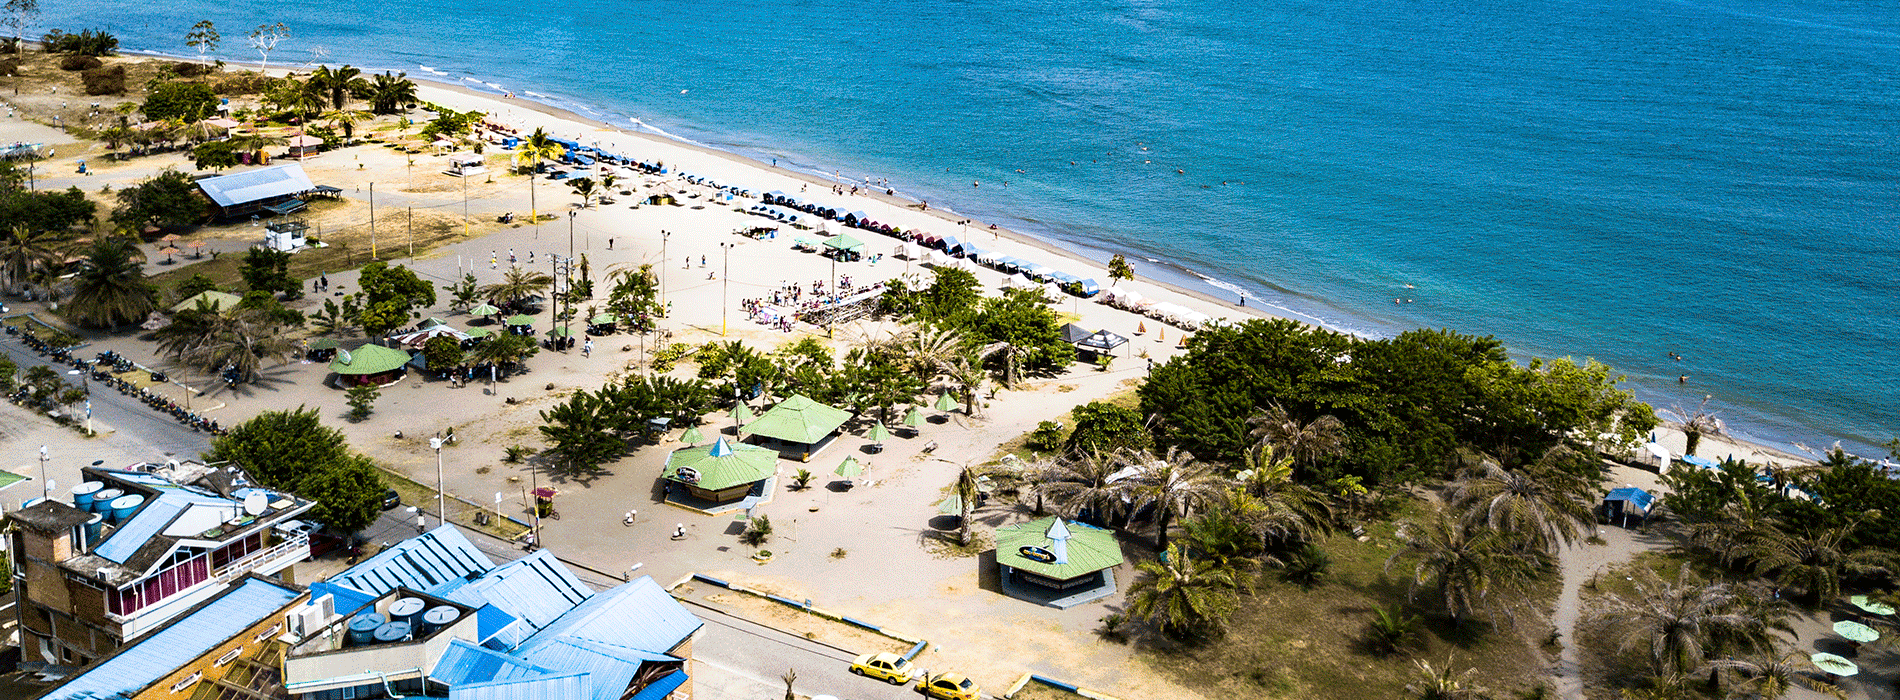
x=949 y=686
x=889 y=667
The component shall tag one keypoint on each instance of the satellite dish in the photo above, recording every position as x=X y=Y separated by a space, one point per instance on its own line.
x=343 y=355
x=256 y=503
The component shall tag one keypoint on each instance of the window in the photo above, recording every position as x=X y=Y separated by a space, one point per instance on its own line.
x=188 y=681
x=229 y=656
x=267 y=634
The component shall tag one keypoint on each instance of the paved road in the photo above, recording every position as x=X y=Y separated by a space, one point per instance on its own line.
x=136 y=428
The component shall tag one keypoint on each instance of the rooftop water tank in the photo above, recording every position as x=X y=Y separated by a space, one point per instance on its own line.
x=83 y=494
x=392 y=632
x=102 y=499
x=406 y=610
x=363 y=628
x=438 y=617
x=95 y=530
x=123 y=506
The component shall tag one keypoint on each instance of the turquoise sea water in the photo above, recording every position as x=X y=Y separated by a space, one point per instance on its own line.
x=1616 y=179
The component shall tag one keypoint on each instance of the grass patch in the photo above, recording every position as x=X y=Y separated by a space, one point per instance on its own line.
x=416 y=494
x=944 y=545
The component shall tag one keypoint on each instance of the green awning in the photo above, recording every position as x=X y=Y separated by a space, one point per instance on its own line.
x=562 y=331
x=323 y=344
x=945 y=403
x=914 y=418
x=1078 y=549
x=849 y=468
x=604 y=320
x=721 y=467
x=691 y=436
x=520 y=320
x=844 y=242
x=484 y=310
x=219 y=301
x=369 y=359
x=433 y=322
x=878 y=433
x=800 y=420
x=474 y=333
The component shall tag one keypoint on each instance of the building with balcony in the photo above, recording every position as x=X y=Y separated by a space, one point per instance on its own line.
x=136 y=548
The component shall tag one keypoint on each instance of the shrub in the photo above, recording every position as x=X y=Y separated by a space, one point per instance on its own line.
x=1307 y=566
x=87 y=43
x=190 y=70
x=801 y=480
x=516 y=453
x=10 y=67
x=1391 y=630
x=79 y=62
x=104 y=81
x=173 y=99
x=757 y=531
x=1047 y=437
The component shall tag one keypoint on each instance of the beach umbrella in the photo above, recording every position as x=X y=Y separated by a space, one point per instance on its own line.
x=197 y=249
x=1856 y=632
x=1834 y=664
x=169 y=252
x=170 y=238
x=691 y=436
x=433 y=322
x=945 y=403
x=914 y=418
x=743 y=413
x=477 y=333
x=323 y=344
x=484 y=310
x=604 y=319
x=878 y=433
x=1871 y=605
x=561 y=331
x=520 y=320
x=849 y=468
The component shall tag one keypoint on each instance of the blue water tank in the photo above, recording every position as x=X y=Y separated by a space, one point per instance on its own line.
x=363 y=628
x=83 y=494
x=123 y=506
x=407 y=610
x=95 y=530
x=102 y=500
x=438 y=617
x=392 y=632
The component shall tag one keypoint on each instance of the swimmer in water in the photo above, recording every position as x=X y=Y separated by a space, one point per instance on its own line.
x=1408 y=285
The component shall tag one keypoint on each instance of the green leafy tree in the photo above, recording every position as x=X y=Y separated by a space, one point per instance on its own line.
x=1119 y=269
x=442 y=353
x=1029 y=331
x=504 y=350
x=44 y=211
x=169 y=199
x=390 y=294
x=634 y=297
x=339 y=319
x=1174 y=484
x=110 y=288
x=268 y=270
x=239 y=338
x=1107 y=427
x=1187 y=597
x=1464 y=563
x=868 y=382
x=1815 y=559
x=362 y=399
x=179 y=100
x=464 y=293
x=216 y=155
x=1541 y=505
x=286 y=449
x=581 y=433
x=204 y=38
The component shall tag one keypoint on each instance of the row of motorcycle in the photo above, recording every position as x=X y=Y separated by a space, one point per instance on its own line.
x=120 y=365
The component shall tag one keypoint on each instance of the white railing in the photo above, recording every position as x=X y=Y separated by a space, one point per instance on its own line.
x=256 y=559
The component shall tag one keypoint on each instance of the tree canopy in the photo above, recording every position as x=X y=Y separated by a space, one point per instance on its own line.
x=179 y=100
x=168 y=200
x=390 y=294
x=293 y=451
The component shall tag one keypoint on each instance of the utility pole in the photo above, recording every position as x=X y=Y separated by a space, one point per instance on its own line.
x=45 y=488
x=412 y=234
x=725 y=284
x=372 y=221
x=441 y=498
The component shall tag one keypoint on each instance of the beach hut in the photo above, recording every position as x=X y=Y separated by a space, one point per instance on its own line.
x=216 y=300
x=798 y=427
x=1056 y=562
x=721 y=474
x=465 y=164
x=369 y=364
x=304 y=146
x=844 y=247
x=1622 y=504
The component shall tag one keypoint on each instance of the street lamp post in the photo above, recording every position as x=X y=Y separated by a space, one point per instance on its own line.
x=45 y=489
x=85 y=380
x=725 y=285
x=441 y=499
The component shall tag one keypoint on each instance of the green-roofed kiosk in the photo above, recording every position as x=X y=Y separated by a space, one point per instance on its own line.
x=798 y=427
x=1056 y=562
x=219 y=301
x=722 y=473
x=369 y=364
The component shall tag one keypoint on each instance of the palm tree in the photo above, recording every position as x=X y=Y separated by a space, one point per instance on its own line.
x=110 y=288
x=1815 y=560
x=1081 y=484
x=236 y=338
x=517 y=284
x=23 y=253
x=389 y=93
x=1173 y=484
x=1271 y=504
x=345 y=120
x=585 y=187
x=340 y=83
x=1541 y=504
x=1305 y=441
x=498 y=350
x=1444 y=683
x=966 y=378
x=1683 y=623
x=532 y=151
x=1770 y=677
x=930 y=350
x=1464 y=562
x=1185 y=596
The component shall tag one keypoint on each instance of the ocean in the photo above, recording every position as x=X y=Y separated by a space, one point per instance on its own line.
x=1591 y=178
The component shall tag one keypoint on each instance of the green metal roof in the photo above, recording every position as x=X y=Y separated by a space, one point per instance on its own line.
x=799 y=419
x=369 y=359
x=323 y=344
x=1090 y=549
x=723 y=466
x=844 y=242
x=219 y=301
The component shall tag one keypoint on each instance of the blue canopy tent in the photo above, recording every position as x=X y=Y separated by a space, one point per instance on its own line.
x=971 y=251
x=1089 y=288
x=1702 y=462
x=951 y=244
x=1622 y=503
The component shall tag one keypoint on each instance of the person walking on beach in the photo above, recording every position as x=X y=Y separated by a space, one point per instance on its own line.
x=491 y=260
x=511 y=257
x=587 y=348
x=610 y=243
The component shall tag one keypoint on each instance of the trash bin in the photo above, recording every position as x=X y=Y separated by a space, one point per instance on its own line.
x=482 y=518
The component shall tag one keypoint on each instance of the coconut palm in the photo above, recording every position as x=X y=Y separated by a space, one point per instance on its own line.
x=930 y=350
x=1542 y=505
x=24 y=252
x=339 y=83
x=532 y=151
x=1771 y=677
x=586 y=187
x=110 y=288
x=503 y=349
x=966 y=377
x=1304 y=441
x=1185 y=596
x=1816 y=559
x=1174 y=484
x=517 y=284
x=345 y=120
x=389 y=93
x=1464 y=562
x=236 y=338
x=1681 y=624
x=1271 y=504
x=1080 y=485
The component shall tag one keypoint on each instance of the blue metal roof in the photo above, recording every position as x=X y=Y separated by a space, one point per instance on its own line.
x=1635 y=496
x=551 y=687
x=464 y=664
x=491 y=621
x=638 y=615
x=609 y=669
x=256 y=185
x=661 y=688
x=157 y=654
x=345 y=600
x=149 y=520
x=423 y=562
x=535 y=589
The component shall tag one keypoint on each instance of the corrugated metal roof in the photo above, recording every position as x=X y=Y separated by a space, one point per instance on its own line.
x=491 y=621
x=535 y=589
x=661 y=688
x=255 y=185
x=560 y=687
x=1090 y=549
x=466 y=664
x=609 y=668
x=147 y=522
x=638 y=615
x=422 y=562
x=190 y=636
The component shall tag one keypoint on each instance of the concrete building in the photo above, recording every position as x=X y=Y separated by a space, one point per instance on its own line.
x=136 y=548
